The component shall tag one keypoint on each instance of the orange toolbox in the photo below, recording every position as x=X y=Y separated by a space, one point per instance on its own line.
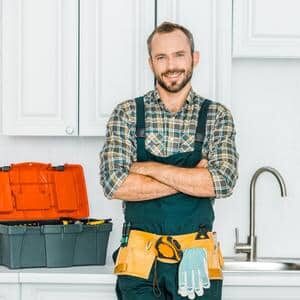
x=44 y=217
x=39 y=191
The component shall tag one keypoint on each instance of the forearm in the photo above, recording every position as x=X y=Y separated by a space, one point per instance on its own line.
x=137 y=187
x=192 y=181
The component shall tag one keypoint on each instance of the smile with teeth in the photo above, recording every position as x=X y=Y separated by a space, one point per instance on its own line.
x=173 y=74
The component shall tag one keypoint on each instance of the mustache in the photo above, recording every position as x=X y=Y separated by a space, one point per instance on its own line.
x=173 y=71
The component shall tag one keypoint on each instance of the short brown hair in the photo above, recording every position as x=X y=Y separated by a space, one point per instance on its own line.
x=167 y=27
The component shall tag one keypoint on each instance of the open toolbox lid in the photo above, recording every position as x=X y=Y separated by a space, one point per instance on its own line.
x=39 y=191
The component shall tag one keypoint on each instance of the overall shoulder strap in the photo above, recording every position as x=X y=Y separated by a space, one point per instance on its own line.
x=201 y=126
x=140 y=127
x=140 y=117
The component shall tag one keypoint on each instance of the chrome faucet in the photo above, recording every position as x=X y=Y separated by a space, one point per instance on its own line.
x=251 y=246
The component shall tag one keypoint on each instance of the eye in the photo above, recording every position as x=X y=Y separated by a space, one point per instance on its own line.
x=159 y=58
x=180 y=54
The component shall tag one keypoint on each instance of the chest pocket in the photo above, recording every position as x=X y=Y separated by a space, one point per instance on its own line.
x=187 y=142
x=155 y=143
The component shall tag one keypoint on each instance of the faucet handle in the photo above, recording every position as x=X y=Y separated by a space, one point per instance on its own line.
x=241 y=247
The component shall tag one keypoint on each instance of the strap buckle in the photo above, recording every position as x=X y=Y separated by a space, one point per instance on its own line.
x=199 y=137
x=202 y=233
x=140 y=132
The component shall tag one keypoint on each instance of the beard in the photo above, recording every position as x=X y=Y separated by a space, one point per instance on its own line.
x=175 y=86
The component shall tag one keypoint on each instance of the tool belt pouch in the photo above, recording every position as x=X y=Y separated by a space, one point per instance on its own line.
x=214 y=255
x=135 y=259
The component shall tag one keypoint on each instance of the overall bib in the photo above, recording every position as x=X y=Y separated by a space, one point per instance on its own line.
x=169 y=215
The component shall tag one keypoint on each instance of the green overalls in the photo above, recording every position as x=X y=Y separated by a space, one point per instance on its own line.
x=169 y=215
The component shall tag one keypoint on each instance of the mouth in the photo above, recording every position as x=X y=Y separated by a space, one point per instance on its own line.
x=173 y=75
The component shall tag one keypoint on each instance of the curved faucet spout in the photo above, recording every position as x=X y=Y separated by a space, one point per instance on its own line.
x=250 y=247
x=252 y=192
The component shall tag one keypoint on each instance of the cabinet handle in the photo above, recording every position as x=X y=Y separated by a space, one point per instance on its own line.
x=69 y=130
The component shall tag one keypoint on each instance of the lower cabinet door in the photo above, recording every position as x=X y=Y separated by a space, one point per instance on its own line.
x=68 y=292
x=9 y=291
x=261 y=293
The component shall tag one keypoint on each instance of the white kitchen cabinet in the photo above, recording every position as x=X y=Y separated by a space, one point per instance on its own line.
x=39 y=67
x=9 y=291
x=9 y=284
x=66 y=64
x=261 y=293
x=67 y=292
x=266 y=28
x=113 y=58
x=261 y=285
x=210 y=23
x=48 y=46
x=98 y=282
x=105 y=291
x=76 y=283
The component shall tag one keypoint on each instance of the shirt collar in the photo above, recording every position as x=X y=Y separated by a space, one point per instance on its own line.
x=189 y=99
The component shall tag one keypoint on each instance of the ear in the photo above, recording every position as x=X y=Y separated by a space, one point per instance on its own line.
x=196 y=57
x=150 y=63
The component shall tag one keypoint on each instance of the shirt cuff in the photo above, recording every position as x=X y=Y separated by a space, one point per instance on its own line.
x=221 y=187
x=116 y=179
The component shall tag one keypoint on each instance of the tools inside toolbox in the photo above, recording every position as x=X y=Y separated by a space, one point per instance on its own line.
x=44 y=218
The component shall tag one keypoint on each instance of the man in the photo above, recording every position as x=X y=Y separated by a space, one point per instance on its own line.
x=168 y=155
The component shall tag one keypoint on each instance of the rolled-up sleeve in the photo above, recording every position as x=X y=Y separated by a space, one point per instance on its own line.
x=117 y=153
x=222 y=154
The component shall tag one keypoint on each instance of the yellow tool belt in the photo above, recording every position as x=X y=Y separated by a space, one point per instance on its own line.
x=143 y=248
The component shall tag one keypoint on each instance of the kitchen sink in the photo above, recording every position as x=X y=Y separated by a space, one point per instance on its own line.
x=263 y=264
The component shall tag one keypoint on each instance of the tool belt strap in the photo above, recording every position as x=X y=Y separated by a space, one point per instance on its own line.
x=144 y=247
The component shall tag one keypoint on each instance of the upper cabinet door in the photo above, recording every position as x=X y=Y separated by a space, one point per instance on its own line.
x=210 y=23
x=39 y=67
x=266 y=28
x=113 y=58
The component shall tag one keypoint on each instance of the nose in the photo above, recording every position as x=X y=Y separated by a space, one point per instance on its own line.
x=171 y=63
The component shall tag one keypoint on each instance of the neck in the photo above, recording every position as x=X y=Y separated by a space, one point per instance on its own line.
x=173 y=101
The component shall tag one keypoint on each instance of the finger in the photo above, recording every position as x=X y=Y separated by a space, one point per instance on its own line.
x=198 y=281
x=182 y=284
x=204 y=270
x=190 y=281
x=203 y=163
x=191 y=294
x=191 y=287
x=199 y=287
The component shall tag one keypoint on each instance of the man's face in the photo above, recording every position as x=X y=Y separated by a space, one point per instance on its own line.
x=172 y=61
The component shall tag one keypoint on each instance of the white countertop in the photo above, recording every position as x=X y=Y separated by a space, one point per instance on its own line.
x=104 y=275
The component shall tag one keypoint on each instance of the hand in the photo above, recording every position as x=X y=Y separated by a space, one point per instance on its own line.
x=203 y=163
x=193 y=273
x=135 y=167
x=141 y=167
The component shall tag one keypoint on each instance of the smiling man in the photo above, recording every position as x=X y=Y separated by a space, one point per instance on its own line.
x=168 y=155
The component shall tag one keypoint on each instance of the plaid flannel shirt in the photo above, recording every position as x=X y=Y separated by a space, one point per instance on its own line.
x=168 y=133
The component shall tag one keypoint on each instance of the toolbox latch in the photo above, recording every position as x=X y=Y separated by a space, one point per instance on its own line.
x=5 y=168
x=59 y=168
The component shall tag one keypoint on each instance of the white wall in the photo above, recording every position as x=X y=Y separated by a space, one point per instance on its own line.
x=266 y=106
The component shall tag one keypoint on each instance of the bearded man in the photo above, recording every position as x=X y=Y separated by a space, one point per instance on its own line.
x=168 y=155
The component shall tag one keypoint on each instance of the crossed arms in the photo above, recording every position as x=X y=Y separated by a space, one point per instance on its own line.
x=150 y=180
x=123 y=178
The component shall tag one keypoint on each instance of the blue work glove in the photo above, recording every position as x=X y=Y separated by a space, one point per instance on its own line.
x=193 y=273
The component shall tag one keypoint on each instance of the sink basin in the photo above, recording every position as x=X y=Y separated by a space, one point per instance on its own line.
x=262 y=265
